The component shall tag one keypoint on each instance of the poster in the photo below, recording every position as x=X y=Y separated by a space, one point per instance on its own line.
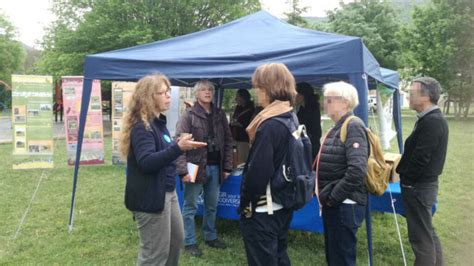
x=93 y=142
x=32 y=114
x=121 y=95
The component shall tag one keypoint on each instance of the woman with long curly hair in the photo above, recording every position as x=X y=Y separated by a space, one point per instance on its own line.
x=150 y=192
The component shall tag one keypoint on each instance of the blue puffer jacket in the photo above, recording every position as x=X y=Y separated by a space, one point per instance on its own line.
x=343 y=166
x=151 y=168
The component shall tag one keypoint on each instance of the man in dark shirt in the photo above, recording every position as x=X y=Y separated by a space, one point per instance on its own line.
x=421 y=164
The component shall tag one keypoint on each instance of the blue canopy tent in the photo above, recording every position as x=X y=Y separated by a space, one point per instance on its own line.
x=228 y=55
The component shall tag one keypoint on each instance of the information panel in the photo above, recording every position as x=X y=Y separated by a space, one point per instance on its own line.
x=93 y=142
x=32 y=116
x=121 y=95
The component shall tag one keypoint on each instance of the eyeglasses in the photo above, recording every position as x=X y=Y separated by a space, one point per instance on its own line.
x=331 y=99
x=167 y=91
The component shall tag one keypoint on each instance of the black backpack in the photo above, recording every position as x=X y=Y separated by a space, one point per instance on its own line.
x=293 y=187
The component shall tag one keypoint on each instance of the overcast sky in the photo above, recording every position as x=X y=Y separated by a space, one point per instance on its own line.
x=30 y=17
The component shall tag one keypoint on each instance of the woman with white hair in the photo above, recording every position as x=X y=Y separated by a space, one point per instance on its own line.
x=341 y=168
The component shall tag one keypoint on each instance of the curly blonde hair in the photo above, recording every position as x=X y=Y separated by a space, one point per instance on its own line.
x=141 y=108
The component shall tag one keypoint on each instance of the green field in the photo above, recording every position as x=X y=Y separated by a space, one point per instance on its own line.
x=104 y=232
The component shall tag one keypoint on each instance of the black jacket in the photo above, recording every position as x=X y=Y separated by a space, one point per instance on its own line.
x=151 y=170
x=243 y=115
x=265 y=158
x=425 y=150
x=343 y=166
x=311 y=118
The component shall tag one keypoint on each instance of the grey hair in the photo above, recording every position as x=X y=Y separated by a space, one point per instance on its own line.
x=204 y=83
x=344 y=90
x=429 y=86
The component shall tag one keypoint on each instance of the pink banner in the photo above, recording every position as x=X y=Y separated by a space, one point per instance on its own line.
x=93 y=143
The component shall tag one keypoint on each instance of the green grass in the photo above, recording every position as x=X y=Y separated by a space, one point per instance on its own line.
x=104 y=232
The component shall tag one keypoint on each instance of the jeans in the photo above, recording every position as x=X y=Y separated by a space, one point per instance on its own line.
x=210 y=195
x=161 y=234
x=341 y=223
x=418 y=201
x=266 y=237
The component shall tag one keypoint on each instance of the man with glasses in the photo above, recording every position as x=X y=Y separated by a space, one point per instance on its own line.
x=421 y=164
x=208 y=124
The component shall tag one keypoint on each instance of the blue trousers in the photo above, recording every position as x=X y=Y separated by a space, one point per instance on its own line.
x=341 y=223
x=210 y=195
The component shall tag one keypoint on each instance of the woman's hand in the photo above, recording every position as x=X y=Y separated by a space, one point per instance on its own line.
x=187 y=143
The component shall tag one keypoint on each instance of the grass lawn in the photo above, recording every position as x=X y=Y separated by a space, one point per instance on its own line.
x=104 y=232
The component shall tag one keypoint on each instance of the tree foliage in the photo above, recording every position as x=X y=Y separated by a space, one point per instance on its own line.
x=11 y=56
x=11 y=51
x=295 y=17
x=375 y=21
x=92 y=26
x=440 y=43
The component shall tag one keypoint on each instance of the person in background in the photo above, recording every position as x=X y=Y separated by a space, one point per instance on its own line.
x=209 y=124
x=341 y=169
x=240 y=120
x=151 y=172
x=264 y=223
x=419 y=168
x=58 y=103
x=309 y=114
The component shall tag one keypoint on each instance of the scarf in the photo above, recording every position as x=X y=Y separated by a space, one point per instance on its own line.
x=276 y=108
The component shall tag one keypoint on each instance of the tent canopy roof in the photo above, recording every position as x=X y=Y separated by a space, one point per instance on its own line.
x=391 y=78
x=228 y=55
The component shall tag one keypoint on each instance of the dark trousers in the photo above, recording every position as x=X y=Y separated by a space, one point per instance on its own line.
x=418 y=201
x=266 y=237
x=341 y=223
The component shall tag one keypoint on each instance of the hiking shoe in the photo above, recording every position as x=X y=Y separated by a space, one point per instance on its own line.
x=193 y=250
x=216 y=243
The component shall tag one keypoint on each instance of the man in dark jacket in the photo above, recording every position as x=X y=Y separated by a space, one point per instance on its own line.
x=208 y=124
x=421 y=164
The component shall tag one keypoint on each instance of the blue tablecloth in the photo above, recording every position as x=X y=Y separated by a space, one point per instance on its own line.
x=306 y=219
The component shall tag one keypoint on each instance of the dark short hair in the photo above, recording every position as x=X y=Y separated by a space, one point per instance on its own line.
x=429 y=86
x=245 y=95
x=306 y=90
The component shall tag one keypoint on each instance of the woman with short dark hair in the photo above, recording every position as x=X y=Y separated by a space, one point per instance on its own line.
x=241 y=118
x=309 y=114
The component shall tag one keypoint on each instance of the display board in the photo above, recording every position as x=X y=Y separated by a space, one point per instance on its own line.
x=93 y=144
x=121 y=95
x=32 y=114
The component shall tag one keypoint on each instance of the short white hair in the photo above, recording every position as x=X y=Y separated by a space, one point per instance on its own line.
x=344 y=90
x=204 y=83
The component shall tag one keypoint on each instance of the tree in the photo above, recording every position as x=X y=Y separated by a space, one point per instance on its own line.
x=440 y=43
x=375 y=22
x=11 y=57
x=294 y=17
x=87 y=27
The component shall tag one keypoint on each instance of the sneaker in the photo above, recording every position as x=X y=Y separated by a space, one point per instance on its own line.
x=216 y=243
x=193 y=250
